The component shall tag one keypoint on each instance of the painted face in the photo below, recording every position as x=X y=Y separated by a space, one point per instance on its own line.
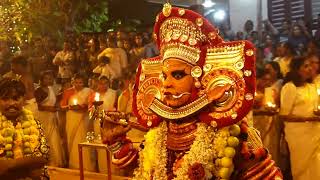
x=11 y=106
x=178 y=82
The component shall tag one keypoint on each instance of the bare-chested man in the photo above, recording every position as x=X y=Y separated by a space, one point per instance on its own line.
x=20 y=70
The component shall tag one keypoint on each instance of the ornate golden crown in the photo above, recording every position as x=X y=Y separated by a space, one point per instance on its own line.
x=180 y=39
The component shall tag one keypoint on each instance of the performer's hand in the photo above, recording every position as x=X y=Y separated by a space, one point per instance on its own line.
x=217 y=92
x=110 y=131
x=147 y=100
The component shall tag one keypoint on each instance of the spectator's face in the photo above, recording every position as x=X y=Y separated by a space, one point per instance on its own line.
x=314 y=60
x=283 y=50
x=296 y=31
x=266 y=80
x=240 y=35
x=120 y=43
x=103 y=85
x=138 y=40
x=78 y=84
x=66 y=46
x=17 y=68
x=270 y=70
x=110 y=43
x=66 y=85
x=11 y=106
x=47 y=80
x=127 y=45
x=279 y=51
x=249 y=26
x=121 y=35
x=305 y=71
x=268 y=40
x=285 y=25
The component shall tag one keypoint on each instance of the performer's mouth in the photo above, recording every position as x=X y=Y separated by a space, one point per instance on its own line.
x=175 y=96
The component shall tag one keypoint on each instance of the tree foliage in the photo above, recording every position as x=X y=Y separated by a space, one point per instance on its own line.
x=20 y=20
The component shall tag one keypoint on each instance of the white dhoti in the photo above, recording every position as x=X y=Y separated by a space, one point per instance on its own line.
x=304 y=145
x=50 y=126
x=77 y=125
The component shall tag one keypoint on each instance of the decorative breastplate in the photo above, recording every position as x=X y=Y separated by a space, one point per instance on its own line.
x=181 y=136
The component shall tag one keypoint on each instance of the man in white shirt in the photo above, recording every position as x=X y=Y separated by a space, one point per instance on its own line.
x=65 y=59
x=118 y=57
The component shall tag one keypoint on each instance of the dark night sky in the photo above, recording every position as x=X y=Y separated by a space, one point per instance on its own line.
x=134 y=9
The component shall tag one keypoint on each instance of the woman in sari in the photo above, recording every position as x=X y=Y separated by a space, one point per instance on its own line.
x=46 y=100
x=298 y=101
x=75 y=102
x=265 y=117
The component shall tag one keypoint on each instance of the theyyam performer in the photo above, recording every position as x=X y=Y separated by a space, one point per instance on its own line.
x=194 y=98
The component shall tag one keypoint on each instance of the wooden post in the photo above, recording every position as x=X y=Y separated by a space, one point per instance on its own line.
x=109 y=165
x=80 y=162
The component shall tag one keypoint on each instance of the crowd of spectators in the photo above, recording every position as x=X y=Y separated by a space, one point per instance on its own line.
x=287 y=78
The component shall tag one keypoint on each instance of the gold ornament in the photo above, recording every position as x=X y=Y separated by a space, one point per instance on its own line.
x=181 y=12
x=248 y=96
x=249 y=52
x=155 y=36
x=214 y=124
x=166 y=9
x=181 y=51
x=142 y=77
x=207 y=67
x=183 y=38
x=239 y=65
x=192 y=41
x=247 y=73
x=199 y=22
x=196 y=72
x=212 y=35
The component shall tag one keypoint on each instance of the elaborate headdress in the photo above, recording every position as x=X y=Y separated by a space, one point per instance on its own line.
x=186 y=35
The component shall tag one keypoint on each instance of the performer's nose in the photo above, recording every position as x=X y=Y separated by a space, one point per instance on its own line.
x=167 y=83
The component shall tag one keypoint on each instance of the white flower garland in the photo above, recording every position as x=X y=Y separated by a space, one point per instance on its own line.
x=213 y=149
x=20 y=140
x=201 y=151
x=153 y=158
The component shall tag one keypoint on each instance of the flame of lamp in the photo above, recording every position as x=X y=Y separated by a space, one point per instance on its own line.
x=97 y=97
x=75 y=101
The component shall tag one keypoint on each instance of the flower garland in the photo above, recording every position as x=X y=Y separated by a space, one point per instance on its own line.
x=20 y=140
x=212 y=149
x=153 y=158
x=201 y=151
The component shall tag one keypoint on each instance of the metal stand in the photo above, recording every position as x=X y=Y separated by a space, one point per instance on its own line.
x=95 y=146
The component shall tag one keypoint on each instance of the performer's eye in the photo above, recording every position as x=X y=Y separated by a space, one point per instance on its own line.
x=164 y=76
x=179 y=74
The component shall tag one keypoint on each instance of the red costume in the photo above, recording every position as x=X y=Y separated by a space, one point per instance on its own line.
x=194 y=97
